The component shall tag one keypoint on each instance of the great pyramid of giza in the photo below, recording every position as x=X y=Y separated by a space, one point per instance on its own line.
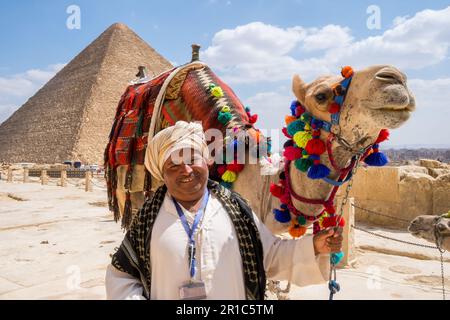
x=70 y=117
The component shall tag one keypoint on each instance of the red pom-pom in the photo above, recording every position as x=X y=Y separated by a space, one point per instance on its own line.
x=334 y=108
x=292 y=153
x=347 y=72
x=330 y=209
x=235 y=167
x=332 y=221
x=276 y=190
x=285 y=198
x=315 y=146
x=252 y=119
x=221 y=169
x=284 y=130
x=299 y=111
x=383 y=136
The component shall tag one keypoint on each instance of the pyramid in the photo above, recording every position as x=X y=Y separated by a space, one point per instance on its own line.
x=70 y=117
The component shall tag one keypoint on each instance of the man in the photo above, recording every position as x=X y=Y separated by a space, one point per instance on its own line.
x=197 y=240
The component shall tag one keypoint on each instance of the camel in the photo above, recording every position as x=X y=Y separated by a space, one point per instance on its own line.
x=429 y=227
x=377 y=98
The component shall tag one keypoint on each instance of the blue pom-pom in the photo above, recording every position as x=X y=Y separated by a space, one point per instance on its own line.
x=282 y=216
x=294 y=107
x=335 y=258
x=318 y=171
x=377 y=159
x=317 y=122
x=283 y=206
x=295 y=126
x=227 y=185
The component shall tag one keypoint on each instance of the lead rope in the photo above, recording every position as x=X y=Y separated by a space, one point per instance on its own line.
x=441 y=252
x=333 y=285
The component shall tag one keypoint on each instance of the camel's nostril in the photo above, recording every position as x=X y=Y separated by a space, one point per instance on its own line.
x=390 y=76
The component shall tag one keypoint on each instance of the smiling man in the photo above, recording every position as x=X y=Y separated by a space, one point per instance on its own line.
x=197 y=240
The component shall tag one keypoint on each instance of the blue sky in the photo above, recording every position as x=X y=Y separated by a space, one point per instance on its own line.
x=273 y=39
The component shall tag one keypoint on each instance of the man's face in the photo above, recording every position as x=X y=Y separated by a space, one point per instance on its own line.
x=186 y=174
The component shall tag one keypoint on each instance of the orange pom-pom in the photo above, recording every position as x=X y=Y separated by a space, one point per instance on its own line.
x=315 y=146
x=334 y=108
x=347 y=72
x=382 y=136
x=296 y=231
x=289 y=119
x=276 y=190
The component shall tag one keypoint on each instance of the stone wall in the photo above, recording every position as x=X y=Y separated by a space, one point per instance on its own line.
x=404 y=192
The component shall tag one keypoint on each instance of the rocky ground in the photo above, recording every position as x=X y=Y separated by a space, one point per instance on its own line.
x=55 y=243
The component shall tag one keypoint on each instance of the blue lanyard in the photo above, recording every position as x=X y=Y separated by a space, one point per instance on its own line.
x=191 y=232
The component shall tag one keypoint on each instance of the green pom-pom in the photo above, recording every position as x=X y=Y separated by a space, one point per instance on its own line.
x=224 y=117
x=303 y=164
x=301 y=220
x=295 y=126
x=306 y=117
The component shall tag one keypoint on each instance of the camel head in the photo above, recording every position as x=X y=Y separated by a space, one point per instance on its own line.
x=378 y=98
x=428 y=227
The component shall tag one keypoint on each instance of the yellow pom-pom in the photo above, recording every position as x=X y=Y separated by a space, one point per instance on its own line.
x=226 y=109
x=289 y=119
x=229 y=176
x=307 y=127
x=301 y=138
x=296 y=231
x=217 y=92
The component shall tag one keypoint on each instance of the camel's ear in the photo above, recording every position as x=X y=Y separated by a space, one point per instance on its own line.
x=299 y=88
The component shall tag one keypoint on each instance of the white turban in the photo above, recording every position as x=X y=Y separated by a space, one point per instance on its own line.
x=183 y=135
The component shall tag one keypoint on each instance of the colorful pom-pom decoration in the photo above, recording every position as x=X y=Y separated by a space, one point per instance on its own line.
x=216 y=91
x=282 y=216
x=337 y=257
x=229 y=176
x=318 y=171
x=376 y=158
x=347 y=72
x=296 y=231
x=292 y=153
x=276 y=190
x=301 y=138
x=224 y=117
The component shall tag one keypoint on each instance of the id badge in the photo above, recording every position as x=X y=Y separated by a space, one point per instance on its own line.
x=194 y=290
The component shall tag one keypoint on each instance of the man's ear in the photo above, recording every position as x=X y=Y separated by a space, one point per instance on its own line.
x=299 y=88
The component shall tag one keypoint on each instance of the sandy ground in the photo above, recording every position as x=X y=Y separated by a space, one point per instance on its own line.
x=55 y=243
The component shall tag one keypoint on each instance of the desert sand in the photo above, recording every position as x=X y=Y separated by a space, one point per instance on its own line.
x=55 y=243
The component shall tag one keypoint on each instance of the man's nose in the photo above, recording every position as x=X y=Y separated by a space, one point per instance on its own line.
x=186 y=168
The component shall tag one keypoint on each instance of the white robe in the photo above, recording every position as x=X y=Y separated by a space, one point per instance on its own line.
x=219 y=263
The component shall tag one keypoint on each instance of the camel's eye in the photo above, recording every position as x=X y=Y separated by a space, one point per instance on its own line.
x=320 y=97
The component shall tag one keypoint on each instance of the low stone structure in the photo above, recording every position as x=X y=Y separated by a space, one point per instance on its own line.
x=404 y=192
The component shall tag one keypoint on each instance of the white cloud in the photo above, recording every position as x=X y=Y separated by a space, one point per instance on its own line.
x=259 y=52
x=17 y=88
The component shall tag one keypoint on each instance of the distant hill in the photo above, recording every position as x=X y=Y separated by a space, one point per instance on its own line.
x=405 y=154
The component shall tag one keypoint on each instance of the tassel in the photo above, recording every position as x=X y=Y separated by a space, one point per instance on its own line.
x=224 y=117
x=295 y=126
x=282 y=216
x=301 y=138
x=294 y=105
x=227 y=185
x=347 y=72
x=334 y=108
x=383 y=136
x=127 y=212
x=335 y=258
x=226 y=109
x=221 y=169
x=303 y=164
x=332 y=222
x=229 y=176
x=301 y=220
x=315 y=146
x=286 y=134
x=276 y=190
x=292 y=153
x=289 y=119
x=376 y=158
x=318 y=170
x=235 y=167
x=252 y=119
x=297 y=231
x=217 y=91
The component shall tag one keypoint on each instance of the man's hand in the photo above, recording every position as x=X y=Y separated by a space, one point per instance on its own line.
x=328 y=241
